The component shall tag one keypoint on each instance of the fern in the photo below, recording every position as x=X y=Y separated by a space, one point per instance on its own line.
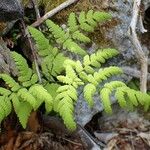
x=23 y=100
x=124 y=95
x=51 y=58
x=24 y=94
x=63 y=104
x=89 y=21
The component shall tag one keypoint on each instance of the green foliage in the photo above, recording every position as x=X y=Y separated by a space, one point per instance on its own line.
x=87 y=72
x=24 y=95
x=62 y=77
x=51 y=57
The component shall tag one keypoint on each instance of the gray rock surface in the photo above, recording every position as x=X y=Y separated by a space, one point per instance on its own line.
x=121 y=10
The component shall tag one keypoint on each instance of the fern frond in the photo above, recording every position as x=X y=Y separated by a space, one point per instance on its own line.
x=10 y=82
x=105 y=98
x=89 y=91
x=15 y=101
x=104 y=74
x=42 y=95
x=63 y=104
x=23 y=113
x=77 y=35
x=120 y=96
x=4 y=92
x=24 y=95
x=106 y=92
x=71 y=77
x=71 y=46
x=72 y=22
x=52 y=88
x=99 y=57
x=24 y=71
x=57 y=32
x=42 y=43
x=89 y=21
x=5 y=105
x=63 y=38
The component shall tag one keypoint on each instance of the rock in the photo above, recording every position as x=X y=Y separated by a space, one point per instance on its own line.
x=122 y=11
x=10 y=10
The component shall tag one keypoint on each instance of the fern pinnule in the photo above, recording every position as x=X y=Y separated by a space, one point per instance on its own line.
x=63 y=104
x=24 y=95
x=42 y=95
x=42 y=43
x=90 y=20
x=105 y=98
x=4 y=92
x=5 y=105
x=101 y=16
x=71 y=46
x=104 y=74
x=77 y=35
x=114 y=84
x=72 y=22
x=15 y=102
x=132 y=97
x=106 y=92
x=25 y=72
x=89 y=91
x=23 y=113
x=57 y=32
x=99 y=57
x=14 y=86
x=120 y=96
x=92 y=80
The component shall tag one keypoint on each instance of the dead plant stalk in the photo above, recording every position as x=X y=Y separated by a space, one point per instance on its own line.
x=142 y=58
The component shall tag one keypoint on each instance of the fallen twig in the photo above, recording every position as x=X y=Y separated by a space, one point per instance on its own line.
x=138 y=49
x=53 y=12
x=32 y=49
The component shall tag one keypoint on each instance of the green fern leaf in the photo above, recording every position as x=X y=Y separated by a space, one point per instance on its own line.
x=101 y=16
x=104 y=74
x=114 y=84
x=25 y=72
x=23 y=113
x=90 y=18
x=71 y=46
x=10 y=82
x=32 y=81
x=120 y=96
x=92 y=80
x=132 y=97
x=15 y=101
x=77 y=35
x=5 y=105
x=52 y=88
x=42 y=95
x=43 y=46
x=105 y=98
x=72 y=22
x=64 y=104
x=89 y=91
x=4 y=92
x=57 y=32
x=24 y=94
x=86 y=27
